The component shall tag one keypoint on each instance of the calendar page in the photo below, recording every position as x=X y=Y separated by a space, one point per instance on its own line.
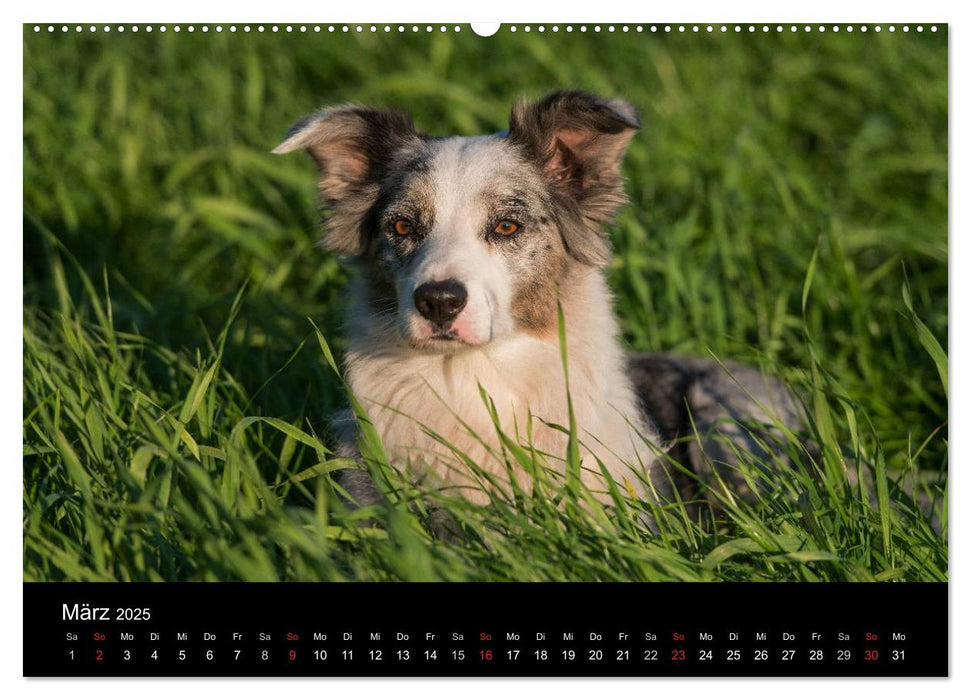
x=485 y=350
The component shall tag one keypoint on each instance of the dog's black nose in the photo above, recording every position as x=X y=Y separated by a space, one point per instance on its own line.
x=440 y=302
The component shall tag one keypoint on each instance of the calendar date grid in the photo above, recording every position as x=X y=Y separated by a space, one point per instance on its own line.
x=332 y=650
x=331 y=630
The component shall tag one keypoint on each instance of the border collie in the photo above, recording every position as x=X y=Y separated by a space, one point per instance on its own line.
x=467 y=248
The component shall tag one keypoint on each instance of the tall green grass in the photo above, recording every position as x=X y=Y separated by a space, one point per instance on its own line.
x=788 y=208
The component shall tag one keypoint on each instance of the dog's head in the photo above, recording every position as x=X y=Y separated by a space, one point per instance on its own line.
x=465 y=240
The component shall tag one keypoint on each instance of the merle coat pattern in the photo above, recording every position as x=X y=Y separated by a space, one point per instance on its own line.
x=466 y=247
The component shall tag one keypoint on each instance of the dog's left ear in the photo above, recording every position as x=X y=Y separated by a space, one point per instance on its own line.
x=579 y=141
x=352 y=146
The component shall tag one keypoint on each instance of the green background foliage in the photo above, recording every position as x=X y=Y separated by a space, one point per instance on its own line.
x=786 y=188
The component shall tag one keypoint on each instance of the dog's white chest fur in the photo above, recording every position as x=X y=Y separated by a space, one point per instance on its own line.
x=413 y=396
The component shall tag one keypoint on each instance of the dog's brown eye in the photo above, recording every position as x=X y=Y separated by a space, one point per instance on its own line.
x=403 y=227
x=506 y=228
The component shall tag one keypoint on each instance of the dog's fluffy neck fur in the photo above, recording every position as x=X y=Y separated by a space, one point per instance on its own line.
x=523 y=374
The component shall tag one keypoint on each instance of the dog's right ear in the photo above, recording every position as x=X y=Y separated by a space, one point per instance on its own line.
x=579 y=141
x=351 y=146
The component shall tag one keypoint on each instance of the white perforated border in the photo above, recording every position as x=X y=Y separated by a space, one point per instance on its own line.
x=724 y=28
x=512 y=29
x=248 y=28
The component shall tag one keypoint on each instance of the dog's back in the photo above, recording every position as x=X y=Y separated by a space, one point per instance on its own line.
x=709 y=412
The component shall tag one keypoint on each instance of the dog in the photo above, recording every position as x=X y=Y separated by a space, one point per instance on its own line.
x=468 y=251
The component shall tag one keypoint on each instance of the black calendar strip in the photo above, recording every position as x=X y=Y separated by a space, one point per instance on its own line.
x=513 y=629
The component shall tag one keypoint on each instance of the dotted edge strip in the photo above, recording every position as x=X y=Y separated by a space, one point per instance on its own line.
x=414 y=28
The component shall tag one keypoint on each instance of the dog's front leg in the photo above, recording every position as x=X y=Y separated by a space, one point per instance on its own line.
x=356 y=482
